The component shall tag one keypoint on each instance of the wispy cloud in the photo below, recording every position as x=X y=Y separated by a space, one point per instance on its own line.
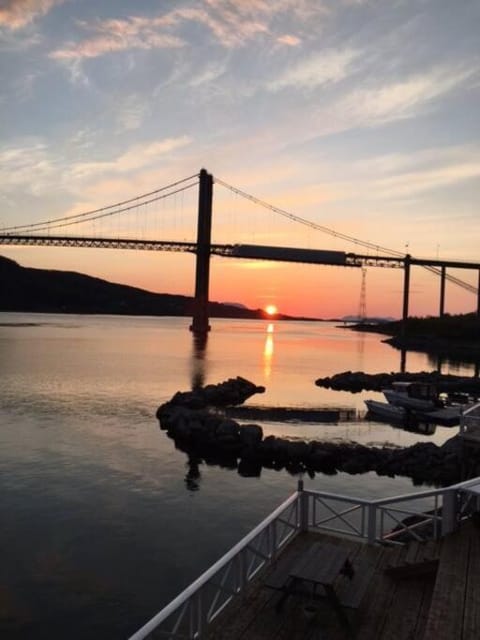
x=317 y=70
x=119 y=35
x=15 y=14
x=402 y=99
x=137 y=157
x=28 y=166
x=230 y=23
x=36 y=169
x=289 y=40
x=131 y=113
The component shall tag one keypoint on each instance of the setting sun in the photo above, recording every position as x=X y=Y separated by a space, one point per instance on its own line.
x=271 y=309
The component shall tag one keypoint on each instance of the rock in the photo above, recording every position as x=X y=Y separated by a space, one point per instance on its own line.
x=207 y=436
x=251 y=435
x=228 y=430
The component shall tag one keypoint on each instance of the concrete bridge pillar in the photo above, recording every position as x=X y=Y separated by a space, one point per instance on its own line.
x=442 y=291
x=406 y=292
x=200 y=323
x=478 y=295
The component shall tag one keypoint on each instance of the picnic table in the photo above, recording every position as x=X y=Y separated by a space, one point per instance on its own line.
x=325 y=569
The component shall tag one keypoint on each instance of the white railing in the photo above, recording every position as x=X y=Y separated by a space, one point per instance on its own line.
x=470 y=423
x=417 y=516
x=188 y=615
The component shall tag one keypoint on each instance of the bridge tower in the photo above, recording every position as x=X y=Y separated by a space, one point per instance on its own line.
x=200 y=323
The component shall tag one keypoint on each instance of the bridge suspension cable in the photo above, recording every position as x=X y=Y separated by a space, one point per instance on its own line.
x=109 y=210
x=304 y=221
x=337 y=234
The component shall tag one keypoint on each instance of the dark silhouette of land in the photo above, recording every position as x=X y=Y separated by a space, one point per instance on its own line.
x=51 y=291
x=448 y=336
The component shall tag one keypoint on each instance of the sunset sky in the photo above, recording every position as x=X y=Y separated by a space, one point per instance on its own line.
x=362 y=116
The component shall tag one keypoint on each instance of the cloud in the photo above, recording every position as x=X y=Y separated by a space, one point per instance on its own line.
x=289 y=40
x=402 y=99
x=120 y=35
x=15 y=14
x=137 y=157
x=131 y=113
x=322 y=68
x=28 y=166
x=375 y=106
x=232 y=24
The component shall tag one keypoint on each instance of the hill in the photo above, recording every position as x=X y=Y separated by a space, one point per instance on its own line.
x=50 y=291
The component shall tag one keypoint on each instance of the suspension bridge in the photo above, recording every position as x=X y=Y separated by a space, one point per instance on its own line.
x=46 y=233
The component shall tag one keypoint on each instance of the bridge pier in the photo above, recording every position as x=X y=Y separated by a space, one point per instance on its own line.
x=442 y=291
x=200 y=323
x=406 y=292
x=478 y=295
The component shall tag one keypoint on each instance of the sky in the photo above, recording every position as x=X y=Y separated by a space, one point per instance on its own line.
x=359 y=115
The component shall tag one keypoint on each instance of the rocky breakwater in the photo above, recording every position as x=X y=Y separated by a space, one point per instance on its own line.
x=195 y=422
x=356 y=381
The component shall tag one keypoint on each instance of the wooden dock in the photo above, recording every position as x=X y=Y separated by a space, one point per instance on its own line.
x=422 y=591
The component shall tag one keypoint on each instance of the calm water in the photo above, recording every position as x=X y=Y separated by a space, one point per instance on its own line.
x=99 y=529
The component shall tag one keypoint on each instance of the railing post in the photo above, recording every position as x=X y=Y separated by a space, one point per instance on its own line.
x=242 y=578
x=449 y=511
x=303 y=504
x=372 y=523
x=273 y=540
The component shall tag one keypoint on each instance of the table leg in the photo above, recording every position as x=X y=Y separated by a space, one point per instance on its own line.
x=339 y=610
x=287 y=591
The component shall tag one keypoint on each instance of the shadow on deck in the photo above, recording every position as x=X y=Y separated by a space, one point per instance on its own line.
x=422 y=591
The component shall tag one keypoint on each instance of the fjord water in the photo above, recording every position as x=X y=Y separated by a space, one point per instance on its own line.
x=99 y=527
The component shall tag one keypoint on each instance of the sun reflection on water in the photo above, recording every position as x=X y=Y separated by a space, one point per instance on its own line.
x=268 y=349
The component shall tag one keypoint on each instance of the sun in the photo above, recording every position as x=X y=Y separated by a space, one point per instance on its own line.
x=271 y=309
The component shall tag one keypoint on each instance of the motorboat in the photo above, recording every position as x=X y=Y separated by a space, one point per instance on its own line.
x=399 y=417
x=386 y=410
x=413 y=395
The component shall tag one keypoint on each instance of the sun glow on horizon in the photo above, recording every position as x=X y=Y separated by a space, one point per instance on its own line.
x=271 y=309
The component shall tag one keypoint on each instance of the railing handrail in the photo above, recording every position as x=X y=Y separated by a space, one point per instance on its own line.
x=192 y=588
x=400 y=498
x=474 y=407
x=210 y=573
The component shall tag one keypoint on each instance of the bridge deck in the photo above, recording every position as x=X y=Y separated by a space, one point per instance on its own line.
x=415 y=601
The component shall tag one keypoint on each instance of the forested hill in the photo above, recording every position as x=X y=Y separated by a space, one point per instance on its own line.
x=48 y=291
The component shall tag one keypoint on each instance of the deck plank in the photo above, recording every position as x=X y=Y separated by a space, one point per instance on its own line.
x=471 y=619
x=445 y=618
x=380 y=598
x=441 y=607
x=402 y=619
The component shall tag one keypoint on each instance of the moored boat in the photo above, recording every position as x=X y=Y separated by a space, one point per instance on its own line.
x=386 y=410
x=413 y=395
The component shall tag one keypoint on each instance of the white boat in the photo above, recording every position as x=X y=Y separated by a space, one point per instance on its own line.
x=385 y=410
x=412 y=395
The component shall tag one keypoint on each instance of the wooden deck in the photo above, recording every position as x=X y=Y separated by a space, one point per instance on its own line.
x=410 y=596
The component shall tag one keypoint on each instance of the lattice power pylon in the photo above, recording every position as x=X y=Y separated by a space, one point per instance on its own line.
x=362 y=307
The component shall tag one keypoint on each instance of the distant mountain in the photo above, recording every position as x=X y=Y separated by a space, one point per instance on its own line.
x=239 y=305
x=50 y=291
x=372 y=320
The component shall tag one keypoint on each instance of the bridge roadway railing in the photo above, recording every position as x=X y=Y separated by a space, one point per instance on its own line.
x=396 y=520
